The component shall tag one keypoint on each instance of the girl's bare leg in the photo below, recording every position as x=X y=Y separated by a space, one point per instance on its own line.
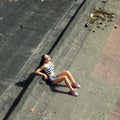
x=63 y=78
x=69 y=75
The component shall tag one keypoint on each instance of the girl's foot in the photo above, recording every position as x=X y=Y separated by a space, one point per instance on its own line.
x=72 y=92
x=76 y=85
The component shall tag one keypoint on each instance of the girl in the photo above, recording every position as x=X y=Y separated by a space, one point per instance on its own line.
x=46 y=70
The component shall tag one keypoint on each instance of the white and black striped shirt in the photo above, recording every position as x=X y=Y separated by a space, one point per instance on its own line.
x=49 y=69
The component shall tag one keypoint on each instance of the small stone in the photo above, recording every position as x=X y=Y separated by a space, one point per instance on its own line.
x=98 y=26
x=21 y=26
x=34 y=23
x=0 y=35
x=104 y=1
x=91 y=15
x=44 y=118
x=105 y=25
x=86 y=25
x=1 y=18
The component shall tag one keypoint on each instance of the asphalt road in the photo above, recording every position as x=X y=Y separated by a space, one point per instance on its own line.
x=23 y=24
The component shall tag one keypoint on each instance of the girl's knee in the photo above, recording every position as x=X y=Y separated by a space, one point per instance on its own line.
x=67 y=72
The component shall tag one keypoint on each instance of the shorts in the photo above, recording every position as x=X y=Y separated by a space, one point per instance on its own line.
x=51 y=79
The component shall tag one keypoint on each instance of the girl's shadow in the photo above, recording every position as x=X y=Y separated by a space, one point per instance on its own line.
x=53 y=87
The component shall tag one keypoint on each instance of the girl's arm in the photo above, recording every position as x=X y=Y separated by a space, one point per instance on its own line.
x=38 y=72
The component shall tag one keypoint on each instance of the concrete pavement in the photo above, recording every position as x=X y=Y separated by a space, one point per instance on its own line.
x=97 y=95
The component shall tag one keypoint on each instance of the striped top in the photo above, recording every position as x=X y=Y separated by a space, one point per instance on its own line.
x=49 y=69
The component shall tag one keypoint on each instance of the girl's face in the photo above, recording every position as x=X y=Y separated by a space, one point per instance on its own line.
x=47 y=58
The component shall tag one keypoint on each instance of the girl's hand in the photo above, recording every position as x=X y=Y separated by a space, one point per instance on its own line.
x=45 y=77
